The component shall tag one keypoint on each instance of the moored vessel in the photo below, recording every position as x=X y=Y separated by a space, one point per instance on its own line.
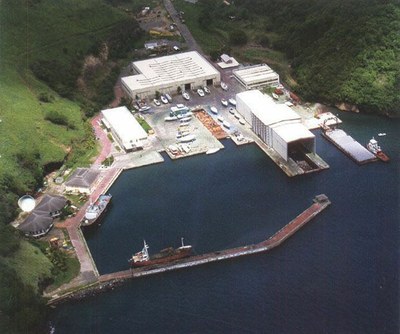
x=374 y=148
x=96 y=210
x=142 y=258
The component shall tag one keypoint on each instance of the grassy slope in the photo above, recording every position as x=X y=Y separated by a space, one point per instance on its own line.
x=49 y=30
x=30 y=264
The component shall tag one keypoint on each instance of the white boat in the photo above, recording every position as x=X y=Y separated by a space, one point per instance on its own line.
x=224 y=86
x=224 y=102
x=275 y=96
x=206 y=90
x=164 y=99
x=182 y=134
x=170 y=118
x=213 y=150
x=156 y=102
x=186 y=139
x=186 y=95
x=382 y=134
x=185 y=120
x=232 y=111
x=200 y=92
x=232 y=101
x=226 y=124
x=237 y=116
x=220 y=118
x=184 y=114
x=242 y=121
x=214 y=110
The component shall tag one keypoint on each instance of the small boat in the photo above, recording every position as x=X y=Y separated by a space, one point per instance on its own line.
x=142 y=258
x=224 y=102
x=157 y=102
x=96 y=210
x=275 y=96
x=373 y=147
x=382 y=134
x=214 y=110
x=170 y=118
x=200 y=92
x=232 y=101
x=206 y=90
x=220 y=118
x=242 y=121
x=226 y=124
x=186 y=139
x=224 y=86
x=213 y=150
x=232 y=111
x=237 y=116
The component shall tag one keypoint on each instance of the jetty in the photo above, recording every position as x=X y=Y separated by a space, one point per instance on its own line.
x=107 y=281
x=349 y=146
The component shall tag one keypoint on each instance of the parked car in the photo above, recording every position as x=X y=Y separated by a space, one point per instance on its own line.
x=185 y=95
x=157 y=102
x=169 y=98
x=200 y=92
x=164 y=99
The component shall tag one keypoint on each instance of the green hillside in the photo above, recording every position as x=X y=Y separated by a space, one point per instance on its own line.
x=43 y=120
x=330 y=51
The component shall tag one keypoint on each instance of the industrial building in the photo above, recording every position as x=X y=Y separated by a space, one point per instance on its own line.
x=257 y=76
x=125 y=128
x=168 y=74
x=277 y=125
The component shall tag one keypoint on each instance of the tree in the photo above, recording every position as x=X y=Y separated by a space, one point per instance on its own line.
x=237 y=37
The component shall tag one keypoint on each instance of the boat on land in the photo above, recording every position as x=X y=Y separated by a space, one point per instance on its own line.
x=224 y=86
x=374 y=148
x=163 y=99
x=224 y=102
x=186 y=139
x=220 y=118
x=143 y=258
x=275 y=96
x=170 y=118
x=96 y=210
x=186 y=95
x=213 y=150
x=214 y=110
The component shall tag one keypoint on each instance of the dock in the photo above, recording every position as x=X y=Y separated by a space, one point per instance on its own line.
x=108 y=281
x=349 y=146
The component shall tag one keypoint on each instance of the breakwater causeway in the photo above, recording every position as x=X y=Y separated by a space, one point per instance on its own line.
x=108 y=281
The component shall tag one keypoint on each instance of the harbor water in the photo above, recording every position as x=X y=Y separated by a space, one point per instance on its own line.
x=339 y=274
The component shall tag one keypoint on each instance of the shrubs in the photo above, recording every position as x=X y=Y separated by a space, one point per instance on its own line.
x=59 y=119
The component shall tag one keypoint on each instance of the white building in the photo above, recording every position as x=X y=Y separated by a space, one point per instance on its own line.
x=276 y=124
x=125 y=128
x=257 y=76
x=188 y=70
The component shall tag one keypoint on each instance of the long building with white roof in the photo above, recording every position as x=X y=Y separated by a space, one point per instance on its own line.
x=277 y=125
x=125 y=128
x=188 y=70
x=257 y=76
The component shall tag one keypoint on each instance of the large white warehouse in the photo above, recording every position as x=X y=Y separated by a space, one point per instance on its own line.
x=276 y=124
x=125 y=128
x=188 y=70
x=257 y=76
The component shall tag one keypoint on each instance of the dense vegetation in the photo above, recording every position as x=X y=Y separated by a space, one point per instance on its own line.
x=49 y=85
x=338 y=50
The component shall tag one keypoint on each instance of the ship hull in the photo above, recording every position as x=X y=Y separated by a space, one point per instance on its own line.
x=382 y=156
x=164 y=259
x=98 y=218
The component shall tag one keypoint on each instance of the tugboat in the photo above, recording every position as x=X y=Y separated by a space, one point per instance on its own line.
x=142 y=258
x=373 y=147
x=96 y=210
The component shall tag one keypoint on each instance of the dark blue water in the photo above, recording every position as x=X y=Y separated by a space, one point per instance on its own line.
x=339 y=274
